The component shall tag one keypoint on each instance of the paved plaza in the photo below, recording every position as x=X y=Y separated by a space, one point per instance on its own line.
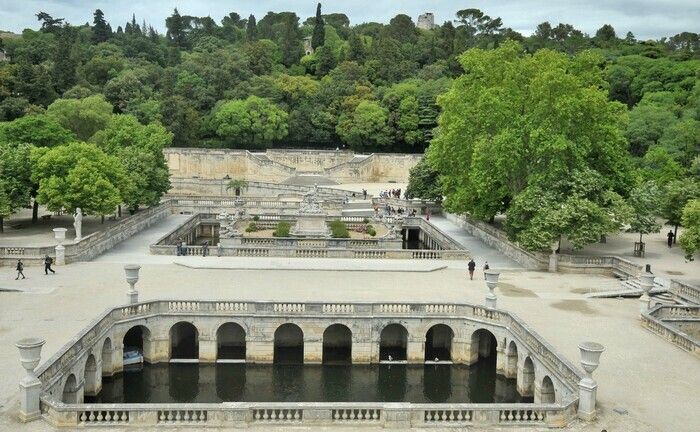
x=653 y=380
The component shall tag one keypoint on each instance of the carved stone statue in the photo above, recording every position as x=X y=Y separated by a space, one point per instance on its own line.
x=311 y=203
x=78 y=224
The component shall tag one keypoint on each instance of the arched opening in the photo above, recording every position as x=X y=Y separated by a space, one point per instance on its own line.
x=289 y=344
x=230 y=342
x=337 y=344
x=512 y=360
x=438 y=343
x=547 y=395
x=93 y=379
x=70 y=390
x=393 y=343
x=134 y=345
x=184 y=341
x=483 y=346
x=107 y=368
x=526 y=378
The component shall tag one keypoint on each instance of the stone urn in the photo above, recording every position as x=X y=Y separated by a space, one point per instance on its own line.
x=132 y=276
x=491 y=282
x=646 y=283
x=29 y=356
x=590 y=358
x=60 y=234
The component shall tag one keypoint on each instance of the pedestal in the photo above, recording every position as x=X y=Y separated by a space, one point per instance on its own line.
x=60 y=255
x=132 y=296
x=311 y=225
x=491 y=300
x=29 y=392
x=587 y=397
x=643 y=304
x=553 y=262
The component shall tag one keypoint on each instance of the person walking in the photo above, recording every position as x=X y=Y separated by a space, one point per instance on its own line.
x=47 y=265
x=471 y=266
x=364 y=193
x=486 y=265
x=20 y=269
x=670 y=237
x=205 y=248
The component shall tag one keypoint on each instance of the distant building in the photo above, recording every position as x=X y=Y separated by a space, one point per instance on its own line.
x=426 y=21
x=308 y=49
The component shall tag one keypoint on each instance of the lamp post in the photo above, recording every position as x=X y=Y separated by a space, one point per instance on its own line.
x=30 y=386
x=491 y=282
x=590 y=359
x=132 y=276
x=60 y=235
x=646 y=282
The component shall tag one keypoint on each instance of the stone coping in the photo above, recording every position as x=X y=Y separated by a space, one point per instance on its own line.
x=657 y=321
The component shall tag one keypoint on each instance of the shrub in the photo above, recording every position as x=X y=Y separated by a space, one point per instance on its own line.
x=365 y=220
x=371 y=231
x=256 y=218
x=282 y=230
x=251 y=227
x=339 y=229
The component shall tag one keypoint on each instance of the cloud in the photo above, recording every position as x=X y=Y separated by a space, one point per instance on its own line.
x=647 y=19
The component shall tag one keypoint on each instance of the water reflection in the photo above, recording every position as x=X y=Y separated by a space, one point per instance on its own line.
x=227 y=382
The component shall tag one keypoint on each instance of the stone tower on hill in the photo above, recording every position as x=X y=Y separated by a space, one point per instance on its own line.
x=426 y=21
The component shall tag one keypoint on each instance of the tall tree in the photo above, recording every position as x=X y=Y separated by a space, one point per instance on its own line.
x=690 y=238
x=101 y=30
x=557 y=169
x=83 y=117
x=177 y=32
x=253 y=121
x=318 y=37
x=251 y=29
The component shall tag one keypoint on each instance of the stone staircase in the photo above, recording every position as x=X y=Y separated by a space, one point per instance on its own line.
x=630 y=288
x=359 y=208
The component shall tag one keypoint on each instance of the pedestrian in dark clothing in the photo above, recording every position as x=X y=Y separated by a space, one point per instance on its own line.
x=486 y=266
x=364 y=193
x=670 y=237
x=20 y=268
x=205 y=248
x=471 y=266
x=47 y=265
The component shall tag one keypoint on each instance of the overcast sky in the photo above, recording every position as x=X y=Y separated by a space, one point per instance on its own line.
x=645 y=18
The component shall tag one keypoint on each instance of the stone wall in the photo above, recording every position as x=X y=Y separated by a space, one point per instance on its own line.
x=217 y=187
x=279 y=165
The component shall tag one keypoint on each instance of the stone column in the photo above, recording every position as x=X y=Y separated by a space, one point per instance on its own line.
x=313 y=351
x=590 y=359
x=30 y=386
x=415 y=350
x=60 y=235
x=646 y=282
x=207 y=350
x=501 y=358
x=361 y=352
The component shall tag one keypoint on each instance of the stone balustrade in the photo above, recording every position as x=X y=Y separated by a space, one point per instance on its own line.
x=309 y=414
x=677 y=324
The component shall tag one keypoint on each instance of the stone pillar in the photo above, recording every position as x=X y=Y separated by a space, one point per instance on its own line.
x=157 y=349
x=313 y=351
x=525 y=380
x=415 y=351
x=461 y=352
x=60 y=235
x=30 y=386
x=554 y=257
x=646 y=282
x=501 y=358
x=361 y=352
x=207 y=350
x=259 y=351
x=132 y=276
x=587 y=387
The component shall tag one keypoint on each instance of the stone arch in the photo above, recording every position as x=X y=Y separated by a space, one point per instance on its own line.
x=184 y=341
x=92 y=376
x=511 y=366
x=337 y=344
x=438 y=343
x=137 y=338
x=230 y=342
x=288 y=344
x=393 y=343
x=106 y=355
x=547 y=392
x=483 y=345
x=526 y=377
x=70 y=390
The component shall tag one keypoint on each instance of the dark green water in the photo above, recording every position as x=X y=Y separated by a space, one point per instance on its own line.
x=226 y=382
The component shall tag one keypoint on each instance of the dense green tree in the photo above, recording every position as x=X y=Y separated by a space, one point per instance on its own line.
x=83 y=117
x=690 y=238
x=424 y=182
x=251 y=29
x=177 y=30
x=38 y=130
x=253 y=121
x=365 y=126
x=676 y=194
x=551 y=166
x=16 y=185
x=101 y=30
x=79 y=175
x=325 y=61
x=645 y=201
x=318 y=37
x=356 y=48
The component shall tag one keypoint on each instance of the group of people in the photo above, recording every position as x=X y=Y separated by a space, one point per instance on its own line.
x=471 y=266
x=48 y=262
x=392 y=193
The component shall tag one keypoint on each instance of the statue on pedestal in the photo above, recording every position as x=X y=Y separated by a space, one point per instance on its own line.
x=78 y=224
x=311 y=203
